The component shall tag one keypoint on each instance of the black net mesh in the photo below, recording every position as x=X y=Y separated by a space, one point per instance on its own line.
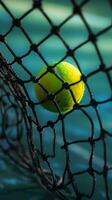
x=22 y=133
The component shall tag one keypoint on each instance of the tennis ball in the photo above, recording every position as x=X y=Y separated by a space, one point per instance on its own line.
x=49 y=83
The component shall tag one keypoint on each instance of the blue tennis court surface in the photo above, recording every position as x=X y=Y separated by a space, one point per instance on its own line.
x=13 y=183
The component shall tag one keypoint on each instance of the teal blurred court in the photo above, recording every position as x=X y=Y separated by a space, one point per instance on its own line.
x=98 y=14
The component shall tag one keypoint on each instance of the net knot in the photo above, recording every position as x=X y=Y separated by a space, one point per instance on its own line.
x=61 y=117
x=76 y=9
x=51 y=69
x=33 y=79
x=76 y=106
x=91 y=171
x=66 y=86
x=92 y=38
x=70 y=52
x=2 y=38
x=31 y=104
x=103 y=67
x=55 y=30
x=40 y=129
x=34 y=47
x=50 y=123
x=94 y=103
x=50 y=97
x=91 y=141
x=18 y=60
x=16 y=22
x=84 y=78
x=37 y=4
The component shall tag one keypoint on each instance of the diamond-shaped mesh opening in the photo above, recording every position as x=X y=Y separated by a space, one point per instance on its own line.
x=107 y=107
x=50 y=46
x=77 y=134
x=18 y=8
x=5 y=51
x=104 y=44
x=21 y=46
x=37 y=64
x=5 y=19
x=62 y=11
x=96 y=87
x=88 y=63
x=37 y=31
x=74 y=25
x=102 y=11
x=20 y=70
x=70 y=152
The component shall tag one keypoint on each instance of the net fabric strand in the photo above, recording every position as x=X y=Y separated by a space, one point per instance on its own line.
x=15 y=98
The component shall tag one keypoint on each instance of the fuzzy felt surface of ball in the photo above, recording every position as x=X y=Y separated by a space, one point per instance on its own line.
x=60 y=87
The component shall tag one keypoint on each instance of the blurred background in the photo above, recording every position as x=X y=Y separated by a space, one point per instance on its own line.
x=98 y=15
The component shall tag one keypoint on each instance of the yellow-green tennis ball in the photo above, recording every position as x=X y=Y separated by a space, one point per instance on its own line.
x=52 y=84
